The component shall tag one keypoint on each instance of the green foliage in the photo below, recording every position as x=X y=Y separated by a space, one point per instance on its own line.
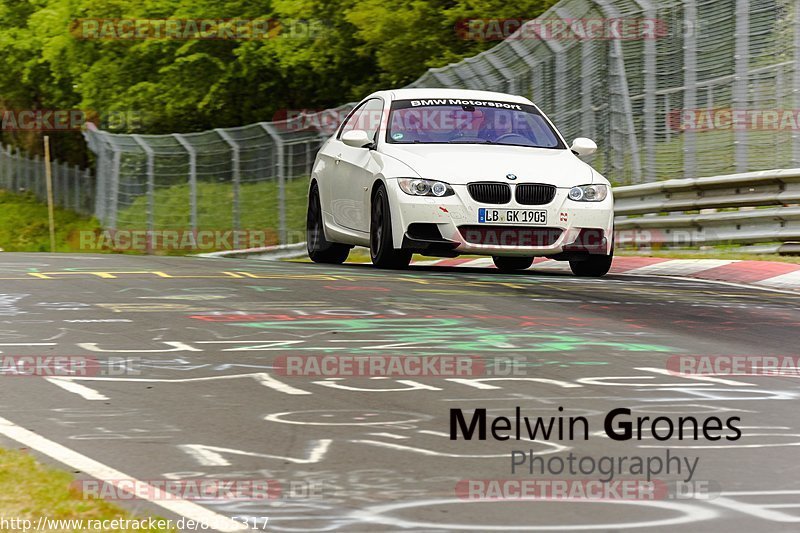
x=189 y=85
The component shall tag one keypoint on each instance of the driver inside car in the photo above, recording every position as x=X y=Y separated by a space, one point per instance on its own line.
x=468 y=123
x=497 y=125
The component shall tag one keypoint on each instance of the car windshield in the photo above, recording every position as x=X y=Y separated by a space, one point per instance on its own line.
x=442 y=121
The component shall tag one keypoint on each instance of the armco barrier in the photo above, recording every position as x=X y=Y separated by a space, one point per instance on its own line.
x=748 y=208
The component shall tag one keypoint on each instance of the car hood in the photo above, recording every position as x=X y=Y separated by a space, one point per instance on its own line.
x=461 y=164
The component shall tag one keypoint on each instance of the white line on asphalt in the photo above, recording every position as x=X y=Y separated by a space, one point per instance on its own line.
x=212 y=455
x=91 y=394
x=85 y=392
x=101 y=472
x=27 y=343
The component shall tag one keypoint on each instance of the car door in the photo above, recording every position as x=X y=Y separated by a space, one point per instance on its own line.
x=332 y=182
x=357 y=169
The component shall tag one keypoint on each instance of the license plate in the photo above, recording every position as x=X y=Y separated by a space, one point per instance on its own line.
x=531 y=217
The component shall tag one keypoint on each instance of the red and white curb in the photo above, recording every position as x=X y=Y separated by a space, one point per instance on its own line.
x=770 y=274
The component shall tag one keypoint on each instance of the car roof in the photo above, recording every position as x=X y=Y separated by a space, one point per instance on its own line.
x=407 y=94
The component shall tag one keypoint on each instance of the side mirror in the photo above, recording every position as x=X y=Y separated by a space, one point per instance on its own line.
x=357 y=139
x=583 y=146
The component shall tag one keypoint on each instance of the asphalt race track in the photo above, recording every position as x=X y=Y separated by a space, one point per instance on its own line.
x=206 y=394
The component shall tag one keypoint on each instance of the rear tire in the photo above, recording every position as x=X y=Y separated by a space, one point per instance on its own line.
x=320 y=249
x=381 y=246
x=511 y=264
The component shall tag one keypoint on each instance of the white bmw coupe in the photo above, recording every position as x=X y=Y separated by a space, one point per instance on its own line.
x=444 y=172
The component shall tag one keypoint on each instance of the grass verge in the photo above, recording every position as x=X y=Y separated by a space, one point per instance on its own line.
x=30 y=490
x=258 y=207
x=24 y=225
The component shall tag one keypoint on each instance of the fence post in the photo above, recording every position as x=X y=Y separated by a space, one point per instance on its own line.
x=63 y=184
x=114 y=192
x=105 y=207
x=617 y=72
x=65 y=190
x=30 y=182
x=690 y=89
x=76 y=196
x=34 y=170
x=192 y=178
x=796 y=84
x=236 y=178
x=10 y=169
x=519 y=50
x=649 y=108
x=281 y=180
x=151 y=186
x=290 y=162
x=587 y=111
x=742 y=64
x=93 y=139
x=558 y=53
x=87 y=176
x=56 y=176
x=18 y=178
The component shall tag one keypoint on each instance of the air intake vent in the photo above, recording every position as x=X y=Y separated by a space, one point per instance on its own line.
x=490 y=193
x=535 y=193
x=510 y=235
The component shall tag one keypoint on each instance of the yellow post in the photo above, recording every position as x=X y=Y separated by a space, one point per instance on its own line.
x=49 y=180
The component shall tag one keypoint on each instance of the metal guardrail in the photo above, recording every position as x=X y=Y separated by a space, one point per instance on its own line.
x=748 y=208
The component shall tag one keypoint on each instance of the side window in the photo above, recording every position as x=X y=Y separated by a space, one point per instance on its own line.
x=352 y=121
x=371 y=118
x=367 y=118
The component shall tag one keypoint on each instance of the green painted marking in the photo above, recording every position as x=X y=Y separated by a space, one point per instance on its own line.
x=452 y=334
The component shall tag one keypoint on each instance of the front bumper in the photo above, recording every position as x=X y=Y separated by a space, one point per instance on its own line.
x=572 y=228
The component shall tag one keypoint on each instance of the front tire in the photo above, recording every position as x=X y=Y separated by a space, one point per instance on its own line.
x=595 y=266
x=381 y=246
x=511 y=264
x=320 y=249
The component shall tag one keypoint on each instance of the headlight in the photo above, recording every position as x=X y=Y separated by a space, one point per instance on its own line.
x=588 y=193
x=418 y=187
